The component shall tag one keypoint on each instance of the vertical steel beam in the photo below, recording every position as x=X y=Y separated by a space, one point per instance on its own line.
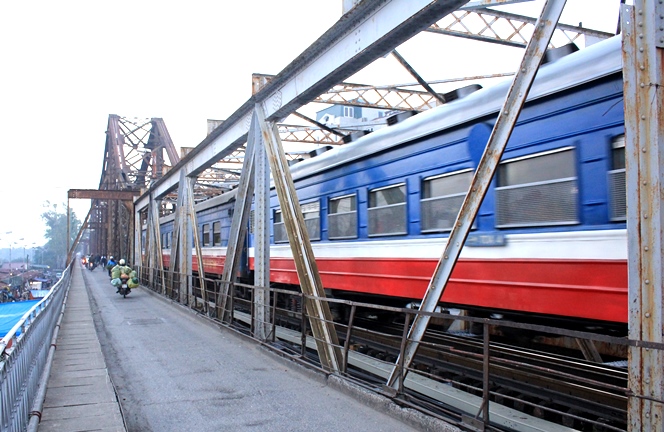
x=153 y=256
x=320 y=317
x=643 y=43
x=261 y=236
x=192 y=221
x=240 y=220
x=486 y=168
x=140 y=259
x=183 y=235
x=192 y=227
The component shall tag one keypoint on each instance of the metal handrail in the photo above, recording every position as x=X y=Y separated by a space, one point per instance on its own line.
x=24 y=355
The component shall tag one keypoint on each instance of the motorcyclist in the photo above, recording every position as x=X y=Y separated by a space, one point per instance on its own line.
x=120 y=271
x=109 y=265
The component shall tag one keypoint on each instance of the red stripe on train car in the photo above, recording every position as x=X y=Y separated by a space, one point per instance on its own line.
x=593 y=289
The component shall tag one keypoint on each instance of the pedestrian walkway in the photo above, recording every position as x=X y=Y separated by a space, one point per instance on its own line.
x=79 y=396
x=175 y=371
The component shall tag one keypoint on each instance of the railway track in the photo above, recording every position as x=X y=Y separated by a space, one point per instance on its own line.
x=572 y=392
x=566 y=391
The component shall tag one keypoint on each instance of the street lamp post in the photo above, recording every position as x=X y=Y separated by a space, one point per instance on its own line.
x=16 y=243
x=10 y=253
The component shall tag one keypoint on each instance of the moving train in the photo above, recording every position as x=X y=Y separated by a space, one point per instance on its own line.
x=550 y=236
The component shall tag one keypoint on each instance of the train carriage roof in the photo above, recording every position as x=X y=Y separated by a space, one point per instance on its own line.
x=597 y=61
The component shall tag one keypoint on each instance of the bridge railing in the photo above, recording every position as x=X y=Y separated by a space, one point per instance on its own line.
x=464 y=363
x=23 y=356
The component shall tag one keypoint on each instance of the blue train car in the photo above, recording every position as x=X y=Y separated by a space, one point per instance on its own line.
x=550 y=237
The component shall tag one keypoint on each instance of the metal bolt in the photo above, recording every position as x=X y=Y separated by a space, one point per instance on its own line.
x=646 y=249
x=642 y=85
x=643 y=117
x=647 y=281
x=647 y=314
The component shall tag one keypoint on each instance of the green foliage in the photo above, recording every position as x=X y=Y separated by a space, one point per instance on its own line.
x=55 y=249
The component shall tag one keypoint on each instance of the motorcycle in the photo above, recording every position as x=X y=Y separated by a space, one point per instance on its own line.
x=124 y=289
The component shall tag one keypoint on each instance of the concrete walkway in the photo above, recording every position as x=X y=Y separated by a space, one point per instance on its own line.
x=80 y=396
x=176 y=371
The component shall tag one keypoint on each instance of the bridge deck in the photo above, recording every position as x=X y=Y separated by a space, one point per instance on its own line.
x=179 y=371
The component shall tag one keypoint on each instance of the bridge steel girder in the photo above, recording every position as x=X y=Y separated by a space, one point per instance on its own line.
x=136 y=152
x=239 y=222
x=335 y=56
x=643 y=53
x=320 y=317
x=517 y=24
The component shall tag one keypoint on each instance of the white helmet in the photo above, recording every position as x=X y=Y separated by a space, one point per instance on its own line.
x=122 y=262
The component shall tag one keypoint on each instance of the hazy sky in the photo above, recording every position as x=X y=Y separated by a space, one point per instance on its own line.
x=66 y=65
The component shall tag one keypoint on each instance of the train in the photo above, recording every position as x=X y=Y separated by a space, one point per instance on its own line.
x=550 y=237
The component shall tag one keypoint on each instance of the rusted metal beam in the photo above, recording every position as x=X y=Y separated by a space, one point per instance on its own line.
x=239 y=224
x=104 y=195
x=489 y=25
x=643 y=53
x=320 y=317
x=486 y=168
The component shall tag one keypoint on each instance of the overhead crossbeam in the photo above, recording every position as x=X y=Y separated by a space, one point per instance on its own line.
x=505 y=28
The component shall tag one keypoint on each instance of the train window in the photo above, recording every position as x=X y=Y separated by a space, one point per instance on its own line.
x=342 y=218
x=442 y=197
x=537 y=190
x=206 y=234
x=311 y=213
x=216 y=234
x=280 y=235
x=617 y=186
x=387 y=210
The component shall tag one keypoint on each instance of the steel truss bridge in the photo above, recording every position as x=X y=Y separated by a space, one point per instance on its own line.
x=144 y=177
